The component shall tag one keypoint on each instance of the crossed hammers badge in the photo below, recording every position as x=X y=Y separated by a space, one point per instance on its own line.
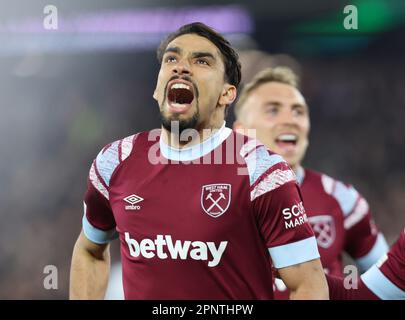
x=215 y=199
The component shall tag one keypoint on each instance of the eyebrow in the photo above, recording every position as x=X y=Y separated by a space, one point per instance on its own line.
x=272 y=103
x=173 y=49
x=203 y=55
x=198 y=54
x=300 y=105
x=278 y=104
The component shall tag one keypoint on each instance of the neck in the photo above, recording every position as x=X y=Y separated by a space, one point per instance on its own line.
x=191 y=137
x=295 y=167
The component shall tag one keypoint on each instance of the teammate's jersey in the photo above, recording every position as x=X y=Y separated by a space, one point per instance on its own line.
x=204 y=224
x=385 y=280
x=342 y=221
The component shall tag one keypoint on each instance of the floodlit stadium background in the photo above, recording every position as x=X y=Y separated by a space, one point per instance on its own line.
x=64 y=94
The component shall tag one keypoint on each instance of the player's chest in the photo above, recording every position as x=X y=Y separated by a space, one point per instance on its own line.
x=327 y=222
x=181 y=200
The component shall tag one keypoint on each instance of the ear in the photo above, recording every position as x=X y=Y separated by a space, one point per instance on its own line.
x=155 y=94
x=228 y=95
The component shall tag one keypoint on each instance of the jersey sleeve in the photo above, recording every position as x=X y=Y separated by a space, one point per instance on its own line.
x=98 y=220
x=386 y=279
x=284 y=226
x=337 y=290
x=279 y=209
x=363 y=241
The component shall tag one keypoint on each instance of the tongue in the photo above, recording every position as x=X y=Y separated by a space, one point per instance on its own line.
x=287 y=145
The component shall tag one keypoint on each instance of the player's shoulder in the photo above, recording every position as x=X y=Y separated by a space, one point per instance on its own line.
x=344 y=193
x=121 y=149
x=313 y=175
x=259 y=159
x=267 y=170
x=115 y=153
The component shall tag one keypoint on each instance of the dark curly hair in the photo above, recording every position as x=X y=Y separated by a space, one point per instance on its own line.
x=229 y=56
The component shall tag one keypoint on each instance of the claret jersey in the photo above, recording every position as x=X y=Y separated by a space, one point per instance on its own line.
x=385 y=280
x=342 y=222
x=204 y=222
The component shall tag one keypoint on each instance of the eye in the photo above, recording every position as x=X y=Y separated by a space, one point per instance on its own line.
x=170 y=59
x=202 y=61
x=299 y=111
x=271 y=110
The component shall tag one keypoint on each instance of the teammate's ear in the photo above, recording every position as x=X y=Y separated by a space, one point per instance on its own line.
x=239 y=128
x=237 y=125
x=228 y=94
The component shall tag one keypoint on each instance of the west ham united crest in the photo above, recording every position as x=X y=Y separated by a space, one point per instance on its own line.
x=324 y=229
x=215 y=199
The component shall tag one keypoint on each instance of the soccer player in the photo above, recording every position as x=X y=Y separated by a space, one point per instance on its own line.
x=340 y=217
x=191 y=226
x=385 y=280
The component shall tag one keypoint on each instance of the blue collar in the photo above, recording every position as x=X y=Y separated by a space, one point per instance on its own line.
x=300 y=174
x=196 y=151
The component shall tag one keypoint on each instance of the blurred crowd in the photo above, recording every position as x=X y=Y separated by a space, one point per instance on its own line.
x=54 y=121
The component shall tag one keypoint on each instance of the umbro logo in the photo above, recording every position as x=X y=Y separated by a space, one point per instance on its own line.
x=133 y=199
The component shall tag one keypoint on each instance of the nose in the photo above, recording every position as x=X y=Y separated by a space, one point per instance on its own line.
x=287 y=117
x=182 y=67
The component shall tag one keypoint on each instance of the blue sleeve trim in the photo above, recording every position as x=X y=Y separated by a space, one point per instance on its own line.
x=96 y=235
x=381 y=286
x=294 y=253
x=379 y=249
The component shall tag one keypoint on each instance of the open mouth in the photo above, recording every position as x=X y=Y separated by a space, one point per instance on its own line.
x=180 y=95
x=287 y=140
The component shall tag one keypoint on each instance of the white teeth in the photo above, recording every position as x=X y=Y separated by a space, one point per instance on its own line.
x=287 y=137
x=180 y=86
x=177 y=105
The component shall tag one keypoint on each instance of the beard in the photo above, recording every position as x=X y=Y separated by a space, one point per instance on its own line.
x=175 y=125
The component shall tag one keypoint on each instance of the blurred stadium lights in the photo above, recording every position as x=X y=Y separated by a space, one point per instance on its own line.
x=118 y=29
x=327 y=34
x=374 y=16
